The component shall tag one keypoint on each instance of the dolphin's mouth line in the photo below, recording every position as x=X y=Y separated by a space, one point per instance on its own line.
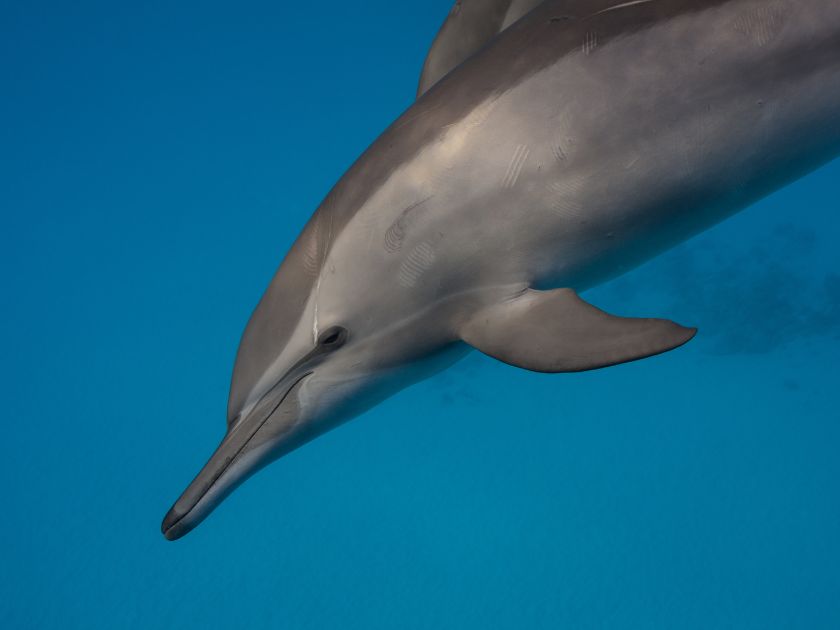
x=235 y=455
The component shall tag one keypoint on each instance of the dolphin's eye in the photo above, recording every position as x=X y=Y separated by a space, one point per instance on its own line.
x=333 y=338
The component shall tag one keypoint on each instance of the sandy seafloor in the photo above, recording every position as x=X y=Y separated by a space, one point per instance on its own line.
x=156 y=163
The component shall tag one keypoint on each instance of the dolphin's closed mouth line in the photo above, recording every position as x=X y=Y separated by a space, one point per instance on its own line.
x=623 y=5
x=238 y=451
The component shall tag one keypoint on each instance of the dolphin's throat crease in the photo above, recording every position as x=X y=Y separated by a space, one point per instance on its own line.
x=552 y=145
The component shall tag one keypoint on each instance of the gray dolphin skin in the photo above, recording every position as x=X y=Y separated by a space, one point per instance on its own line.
x=553 y=146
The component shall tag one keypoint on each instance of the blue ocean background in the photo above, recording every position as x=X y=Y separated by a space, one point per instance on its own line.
x=157 y=159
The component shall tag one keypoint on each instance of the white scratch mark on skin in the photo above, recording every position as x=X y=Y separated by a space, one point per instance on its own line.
x=480 y=114
x=563 y=144
x=514 y=169
x=394 y=236
x=623 y=5
x=565 y=195
x=425 y=112
x=311 y=255
x=761 y=25
x=590 y=42
x=396 y=232
x=418 y=262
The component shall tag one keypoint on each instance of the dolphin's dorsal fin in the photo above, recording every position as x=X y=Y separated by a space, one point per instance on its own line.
x=470 y=25
x=556 y=331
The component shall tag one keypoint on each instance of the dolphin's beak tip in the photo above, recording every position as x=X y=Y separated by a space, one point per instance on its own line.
x=169 y=527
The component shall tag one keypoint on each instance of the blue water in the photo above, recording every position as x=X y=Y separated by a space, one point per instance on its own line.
x=157 y=160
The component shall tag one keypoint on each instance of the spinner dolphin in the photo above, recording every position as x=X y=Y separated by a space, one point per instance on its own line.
x=552 y=146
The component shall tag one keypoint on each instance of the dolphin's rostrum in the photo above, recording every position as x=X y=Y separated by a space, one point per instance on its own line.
x=553 y=145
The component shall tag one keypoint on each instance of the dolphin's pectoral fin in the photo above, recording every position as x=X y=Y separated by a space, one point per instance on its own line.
x=556 y=331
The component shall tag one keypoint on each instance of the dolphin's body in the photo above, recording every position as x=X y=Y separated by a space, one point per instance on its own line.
x=584 y=139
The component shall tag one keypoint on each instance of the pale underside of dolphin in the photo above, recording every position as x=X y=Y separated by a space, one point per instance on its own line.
x=553 y=145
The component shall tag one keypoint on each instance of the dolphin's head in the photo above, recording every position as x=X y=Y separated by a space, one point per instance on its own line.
x=327 y=341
